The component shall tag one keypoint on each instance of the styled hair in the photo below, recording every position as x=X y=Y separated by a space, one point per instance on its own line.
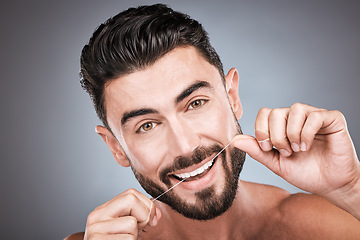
x=133 y=40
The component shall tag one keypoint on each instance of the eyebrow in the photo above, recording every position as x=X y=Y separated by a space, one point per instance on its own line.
x=134 y=113
x=192 y=88
x=144 y=111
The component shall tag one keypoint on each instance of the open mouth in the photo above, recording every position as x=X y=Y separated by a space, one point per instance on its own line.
x=197 y=173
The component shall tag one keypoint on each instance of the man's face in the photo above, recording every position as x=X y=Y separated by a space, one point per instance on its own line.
x=170 y=120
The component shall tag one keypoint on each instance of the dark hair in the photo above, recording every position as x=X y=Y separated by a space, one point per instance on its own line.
x=133 y=40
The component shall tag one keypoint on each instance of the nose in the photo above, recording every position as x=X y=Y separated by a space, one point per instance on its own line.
x=182 y=138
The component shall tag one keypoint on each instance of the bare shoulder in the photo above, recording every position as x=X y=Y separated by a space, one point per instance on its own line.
x=303 y=205
x=314 y=217
x=267 y=196
x=75 y=236
x=299 y=216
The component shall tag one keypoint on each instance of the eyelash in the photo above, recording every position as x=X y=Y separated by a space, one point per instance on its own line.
x=141 y=130
x=202 y=102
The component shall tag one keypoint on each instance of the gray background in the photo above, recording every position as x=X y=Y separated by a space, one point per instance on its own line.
x=55 y=169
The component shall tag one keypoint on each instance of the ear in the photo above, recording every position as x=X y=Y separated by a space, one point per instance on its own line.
x=114 y=145
x=232 y=84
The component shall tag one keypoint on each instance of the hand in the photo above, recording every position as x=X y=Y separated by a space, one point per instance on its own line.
x=123 y=217
x=313 y=149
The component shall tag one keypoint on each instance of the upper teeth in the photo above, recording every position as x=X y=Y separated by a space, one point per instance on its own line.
x=196 y=171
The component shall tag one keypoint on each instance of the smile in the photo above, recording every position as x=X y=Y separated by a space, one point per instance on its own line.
x=197 y=173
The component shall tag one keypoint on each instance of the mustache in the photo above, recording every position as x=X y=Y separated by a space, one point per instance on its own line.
x=197 y=156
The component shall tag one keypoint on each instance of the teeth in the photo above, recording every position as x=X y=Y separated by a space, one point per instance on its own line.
x=196 y=171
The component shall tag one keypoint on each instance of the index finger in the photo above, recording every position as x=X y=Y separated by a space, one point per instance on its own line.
x=262 y=132
x=128 y=203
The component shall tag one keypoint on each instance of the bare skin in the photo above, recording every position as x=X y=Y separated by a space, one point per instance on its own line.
x=271 y=213
x=275 y=214
x=309 y=147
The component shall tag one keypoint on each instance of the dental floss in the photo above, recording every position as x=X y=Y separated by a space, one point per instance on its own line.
x=148 y=218
x=186 y=178
x=168 y=190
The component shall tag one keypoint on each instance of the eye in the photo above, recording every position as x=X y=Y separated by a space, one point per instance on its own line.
x=146 y=127
x=197 y=103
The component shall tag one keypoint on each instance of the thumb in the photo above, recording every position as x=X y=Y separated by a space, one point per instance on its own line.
x=154 y=215
x=250 y=145
x=156 y=218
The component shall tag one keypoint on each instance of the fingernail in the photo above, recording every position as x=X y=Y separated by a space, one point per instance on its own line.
x=154 y=221
x=284 y=152
x=148 y=218
x=295 y=147
x=266 y=145
x=303 y=147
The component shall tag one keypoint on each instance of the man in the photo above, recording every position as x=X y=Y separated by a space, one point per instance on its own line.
x=170 y=113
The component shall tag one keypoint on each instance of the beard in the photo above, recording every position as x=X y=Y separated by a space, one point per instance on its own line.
x=208 y=204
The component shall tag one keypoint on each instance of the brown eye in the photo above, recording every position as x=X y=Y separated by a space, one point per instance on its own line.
x=196 y=104
x=147 y=126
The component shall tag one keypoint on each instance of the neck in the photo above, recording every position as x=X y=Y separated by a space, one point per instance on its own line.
x=227 y=225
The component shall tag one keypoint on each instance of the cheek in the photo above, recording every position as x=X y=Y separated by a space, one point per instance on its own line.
x=219 y=122
x=146 y=159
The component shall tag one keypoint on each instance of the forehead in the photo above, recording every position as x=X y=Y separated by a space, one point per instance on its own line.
x=160 y=82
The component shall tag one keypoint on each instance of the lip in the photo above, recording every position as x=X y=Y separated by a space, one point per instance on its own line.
x=198 y=184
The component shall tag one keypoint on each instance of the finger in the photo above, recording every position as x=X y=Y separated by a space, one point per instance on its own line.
x=156 y=218
x=250 y=145
x=297 y=116
x=151 y=207
x=277 y=125
x=151 y=220
x=112 y=237
x=128 y=203
x=152 y=216
x=262 y=129
x=123 y=225
x=313 y=124
x=295 y=123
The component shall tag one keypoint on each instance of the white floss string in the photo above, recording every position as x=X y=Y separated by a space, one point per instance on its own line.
x=168 y=190
x=186 y=178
